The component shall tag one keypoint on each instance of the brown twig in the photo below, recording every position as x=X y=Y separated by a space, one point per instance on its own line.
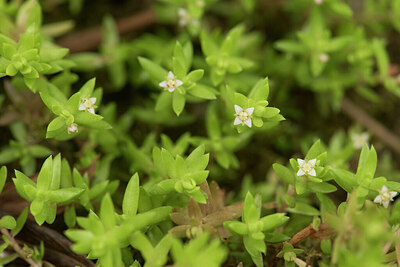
x=323 y=231
x=89 y=39
x=18 y=249
x=359 y=115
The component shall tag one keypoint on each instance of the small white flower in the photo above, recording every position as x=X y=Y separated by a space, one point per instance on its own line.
x=88 y=104
x=306 y=167
x=318 y=2
x=73 y=128
x=359 y=139
x=171 y=83
x=243 y=116
x=385 y=196
x=200 y=4
x=186 y=19
x=323 y=58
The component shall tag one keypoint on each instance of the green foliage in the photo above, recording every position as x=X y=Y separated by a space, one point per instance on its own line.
x=184 y=175
x=46 y=192
x=252 y=227
x=245 y=93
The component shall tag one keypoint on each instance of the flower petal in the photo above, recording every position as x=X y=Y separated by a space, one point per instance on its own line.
x=384 y=189
x=81 y=107
x=178 y=83
x=312 y=162
x=171 y=89
x=248 y=123
x=163 y=84
x=378 y=199
x=91 y=110
x=300 y=161
x=237 y=121
x=250 y=111
x=182 y=12
x=393 y=194
x=92 y=100
x=312 y=173
x=171 y=75
x=385 y=204
x=238 y=109
x=300 y=172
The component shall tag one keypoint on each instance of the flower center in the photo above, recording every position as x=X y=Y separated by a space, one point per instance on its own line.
x=243 y=115
x=171 y=83
x=87 y=104
x=385 y=196
x=307 y=167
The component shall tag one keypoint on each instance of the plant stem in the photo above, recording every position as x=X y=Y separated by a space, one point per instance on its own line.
x=90 y=39
x=18 y=249
x=359 y=115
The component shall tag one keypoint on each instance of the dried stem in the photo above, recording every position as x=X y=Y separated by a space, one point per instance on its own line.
x=18 y=249
x=323 y=232
x=90 y=39
x=371 y=124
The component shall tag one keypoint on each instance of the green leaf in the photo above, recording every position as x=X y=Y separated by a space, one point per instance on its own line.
x=65 y=194
x=345 y=179
x=39 y=151
x=305 y=209
x=155 y=71
x=315 y=150
x=20 y=222
x=260 y=91
x=131 y=196
x=87 y=89
x=163 y=101
x=284 y=173
x=270 y=222
x=107 y=215
x=207 y=44
x=178 y=103
x=3 y=177
x=70 y=216
x=212 y=123
x=236 y=227
x=202 y=91
x=195 y=75
x=254 y=250
x=180 y=66
x=322 y=187
x=8 y=222
x=366 y=164
x=45 y=174
x=250 y=212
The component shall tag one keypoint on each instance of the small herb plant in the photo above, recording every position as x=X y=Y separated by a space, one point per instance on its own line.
x=216 y=138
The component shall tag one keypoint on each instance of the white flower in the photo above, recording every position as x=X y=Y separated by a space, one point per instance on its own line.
x=243 y=116
x=306 y=167
x=323 y=58
x=200 y=4
x=359 y=139
x=73 y=128
x=171 y=83
x=385 y=196
x=186 y=19
x=318 y=2
x=88 y=104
